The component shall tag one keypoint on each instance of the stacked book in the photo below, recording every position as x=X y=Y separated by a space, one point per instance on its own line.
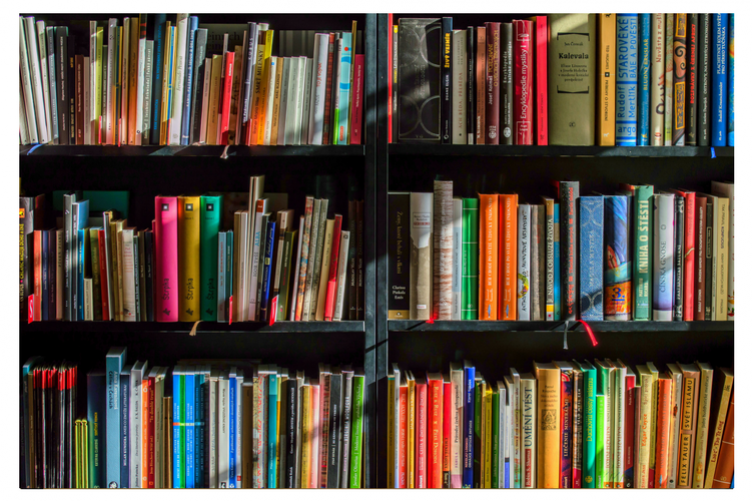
x=639 y=254
x=200 y=424
x=188 y=84
x=565 y=424
x=556 y=80
x=224 y=257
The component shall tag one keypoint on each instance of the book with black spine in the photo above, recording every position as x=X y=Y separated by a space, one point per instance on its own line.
x=470 y=109
x=359 y=251
x=446 y=80
x=335 y=421
x=679 y=214
x=291 y=432
x=61 y=75
x=506 y=100
x=399 y=256
x=703 y=79
x=569 y=192
x=197 y=91
x=346 y=424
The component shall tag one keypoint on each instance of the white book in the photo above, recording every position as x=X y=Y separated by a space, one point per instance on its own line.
x=146 y=112
x=523 y=262
x=318 y=90
x=36 y=79
x=134 y=423
x=292 y=91
x=316 y=227
x=129 y=277
x=618 y=426
x=205 y=99
x=457 y=260
x=140 y=91
x=294 y=290
x=27 y=85
x=108 y=117
x=307 y=86
x=177 y=88
x=92 y=116
x=283 y=101
x=87 y=101
x=22 y=128
x=256 y=260
x=457 y=406
x=663 y=256
x=459 y=87
x=41 y=34
x=342 y=275
x=299 y=100
x=726 y=190
x=270 y=101
x=212 y=416
x=223 y=449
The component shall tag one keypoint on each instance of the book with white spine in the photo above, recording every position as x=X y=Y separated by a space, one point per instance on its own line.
x=443 y=247
x=44 y=70
x=108 y=113
x=178 y=90
x=299 y=100
x=292 y=91
x=306 y=111
x=283 y=95
x=459 y=86
x=129 y=277
x=223 y=423
x=140 y=123
x=342 y=275
x=457 y=260
x=663 y=256
x=318 y=88
x=22 y=128
x=523 y=262
x=26 y=85
x=318 y=224
x=36 y=79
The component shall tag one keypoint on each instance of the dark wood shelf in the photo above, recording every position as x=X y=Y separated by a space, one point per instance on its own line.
x=469 y=150
x=353 y=150
x=503 y=326
x=185 y=327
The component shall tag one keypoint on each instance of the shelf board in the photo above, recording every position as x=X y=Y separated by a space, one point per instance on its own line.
x=465 y=150
x=185 y=327
x=504 y=326
x=353 y=150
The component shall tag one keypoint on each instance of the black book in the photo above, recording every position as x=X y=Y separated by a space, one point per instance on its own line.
x=709 y=258
x=149 y=273
x=691 y=97
x=52 y=270
x=471 y=42
x=71 y=67
x=199 y=66
x=335 y=444
x=678 y=258
x=399 y=256
x=703 y=80
x=446 y=80
x=61 y=58
x=290 y=423
x=159 y=31
x=393 y=72
x=506 y=108
x=569 y=192
x=419 y=79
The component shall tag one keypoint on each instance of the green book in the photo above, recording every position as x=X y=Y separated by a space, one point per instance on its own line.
x=211 y=217
x=495 y=453
x=589 y=425
x=604 y=453
x=600 y=446
x=229 y=240
x=95 y=273
x=470 y=259
x=285 y=279
x=356 y=435
x=643 y=264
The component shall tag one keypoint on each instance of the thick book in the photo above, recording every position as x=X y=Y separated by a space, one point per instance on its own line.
x=421 y=233
x=657 y=75
x=626 y=80
x=643 y=87
x=470 y=263
x=443 y=214
x=703 y=424
x=719 y=79
x=591 y=258
x=569 y=192
x=643 y=264
x=506 y=81
x=617 y=292
x=549 y=424
x=722 y=251
x=166 y=263
x=724 y=473
x=523 y=82
x=548 y=206
x=447 y=60
x=688 y=254
x=189 y=258
x=493 y=106
x=663 y=429
x=523 y=262
x=211 y=210
x=663 y=256
x=723 y=189
x=606 y=114
x=507 y=263
x=571 y=79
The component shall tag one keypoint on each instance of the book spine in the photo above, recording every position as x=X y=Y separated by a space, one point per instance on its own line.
x=506 y=98
x=211 y=210
x=549 y=219
x=643 y=91
x=488 y=265
x=528 y=415
x=113 y=365
x=724 y=474
x=591 y=258
x=663 y=433
x=189 y=82
x=703 y=79
x=578 y=408
x=557 y=264
x=523 y=262
x=96 y=386
x=549 y=428
x=44 y=280
x=356 y=135
x=493 y=89
x=443 y=211
x=688 y=412
x=447 y=61
x=63 y=96
x=719 y=421
x=124 y=442
x=197 y=86
x=691 y=79
x=320 y=61
x=267 y=271
x=589 y=429
x=479 y=70
x=722 y=281
x=459 y=98
x=679 y=82
x=679 y=218
x=657 y=75
x=469 y=68
x=189 y=262
x=569 y=193
x=567 y=435
x=663 y=256
x=447 y=413
x=541 y=80
x=457 y=262
x=305 y=248
x=224 y=132
x=421 y=223
x=51 y=74
x=166 y=240
x=331 y=292
x=703 y=424
x=701 y=204
x=730 y=112
x=507 y=257
x=104 y=276
x=467 y=434
x=668 y=47
x=356 y=454
x=618 y=266
x=719 y=80
x=523 y=82
x=642 y=252
x=710 y=242
x=688 y=256
x=626 y=80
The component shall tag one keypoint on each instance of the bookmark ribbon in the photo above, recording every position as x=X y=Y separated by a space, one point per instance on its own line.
x=193 y=329
x=31 y=308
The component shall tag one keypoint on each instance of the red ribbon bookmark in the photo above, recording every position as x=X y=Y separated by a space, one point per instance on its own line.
x=590 y=332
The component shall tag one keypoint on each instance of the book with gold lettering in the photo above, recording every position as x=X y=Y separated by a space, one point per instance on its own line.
x=189 y=258
x=549 y=424
x=645 y=377
x=680 y=72
x=688 y=412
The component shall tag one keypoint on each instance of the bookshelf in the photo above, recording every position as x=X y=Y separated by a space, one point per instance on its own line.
x=494 y=347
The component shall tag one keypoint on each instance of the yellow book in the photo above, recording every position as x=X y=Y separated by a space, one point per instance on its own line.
x=189 y=258
x=646 y=438
x=78 y=454
x=277 y=93
x=549 y=424
x=487 y=407
x=163 y=113
x=605 y=121
x=390 y=439
x=654 y=414
x=306 y=443
x=214 y=94
x=703 y=423
x=264 y=89
x=721 y=303
x=410 y=430
x=325 y=266
x=133 y=81
x=723 y=385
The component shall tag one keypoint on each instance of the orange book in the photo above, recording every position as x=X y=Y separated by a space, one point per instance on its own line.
x=663 y=431
x=146 y=390
x=488 y=264
x=508 y=257
x=435 y=429
x=724 y=470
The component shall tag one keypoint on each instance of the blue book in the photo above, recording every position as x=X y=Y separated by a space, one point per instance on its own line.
x=190 y=444
x=342 y=113
x=266 y=280
x=643 y=91
x=114 y=361
x=467 y=449
x=557 y=265
x=45 y=274
x=198 y=425
x=731 y=87
x=591 y=258
x=96 y=388
x=626 y=80
x=125 y=391
x=271 y=461
x=185 y=130
x=233 y=426
x=156 y=87
x=177 y=451
x=718 y=79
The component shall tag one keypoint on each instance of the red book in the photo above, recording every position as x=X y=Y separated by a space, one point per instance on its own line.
x=523 y=86
x=103 y=277
x=389 y=62
x=446 y=470
x=357 y=111
x=331 y=290
x=435 y=430
x=402 y=436
x=689 y=253
x=541 y=80
x=38 y=276
x=493 y=81
x=328 y=99
x=421 y=433
x=480 y=86
x=151 y=427
x=629 y=431
x=228 y=62
x=701 y=207
x=166 y=238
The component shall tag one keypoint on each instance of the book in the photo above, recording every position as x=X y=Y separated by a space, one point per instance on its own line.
x=115 y=359
x=523 y=85
x=447 y=81
x=569 y=192
x=211 y=209
x=663 y=431
x=457 y=261
x=96 y=386
x=657 y=76
x=549 y=424
x=680 y=76
x=538 y=262
x=668 y=102
x=618 y=266
x=421 y=229
x=725 y=468
x=443 y=215
x=719 y=79
x=591 y=258
x=721 y=241
x=166 y=240
x=726 y=190
x=703 y=79
x=507 y=257
x=189 y=252
x=528 y=430
x=523 y=262
x=689 y=406
x=626 y=80
x=703 y=424
x=686 y=300
x=460 y=96
x=572 y=48
x=646 y=380
x=663 y=256
x=691 y=81
x=643 y=86
x=506 y=72
x=723 y=384
x=642 y=272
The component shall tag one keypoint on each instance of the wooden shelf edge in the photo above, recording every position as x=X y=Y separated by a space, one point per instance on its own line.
x=558 y=327
x=408 y=149
x=353 y=150
x=185 y=327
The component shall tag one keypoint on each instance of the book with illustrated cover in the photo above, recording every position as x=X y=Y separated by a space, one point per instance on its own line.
x=626 y=80
x=617 y=294
x=591 y=258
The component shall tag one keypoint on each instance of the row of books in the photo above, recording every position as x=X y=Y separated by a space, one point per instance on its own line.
x=566 y=424
x=643 y=254
x=564 y=79
x=186 y=268
x=200 y=424
x=181 y=88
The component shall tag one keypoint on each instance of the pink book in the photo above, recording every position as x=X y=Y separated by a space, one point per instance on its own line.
x=541 y=80
x=315 y=446
x=166 y=238
x=357 y=105
x=226 y=98
x=421 y=433
x=522 y=117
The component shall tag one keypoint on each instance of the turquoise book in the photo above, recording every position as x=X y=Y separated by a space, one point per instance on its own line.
x=643 y=92
x=643 y=244
x=589 y=414
x=626 y=80
x=469 y=259
x=271 y=482
x=591 y=258
x=178 y=475
x=211 y=217
x=189 y=393
x=342 y=111
x=114 y=361
x=557 y=265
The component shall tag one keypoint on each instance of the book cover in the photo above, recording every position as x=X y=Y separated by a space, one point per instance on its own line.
x=730 y=112
x=657 y=76
x=680 y=76
x=663 y=256
x=691 y=82
x=703 y=424
x=114 y=361
x=443 y=215
x=542 y=35
x=591 y=258
x=507 y=264
x=618 y=266
x=643 y=87
x=568 y=395
x=523 y=262
x=488 y=259
x=605 y=118
x=662 y=453
x=719 y=79
x=189 y=258
x=399 y=256
x=523 y=82
x=643 y=234
x=493 y=73
x=96 y=396
x=569 y=192
x=626 y=80
x=722 y=268
x=447 y=58
x=211 y=210
x=538 y=262
x=548 y=204
x=421 y=229
x=166 y=239
x=688 y=254
x=459 y=87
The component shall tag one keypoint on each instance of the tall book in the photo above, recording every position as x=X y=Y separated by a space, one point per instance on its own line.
x=549 y=424
x=688 y=411
x=421 y=233
x=457 y=245
x=703 y=79
x=443 y=215
x=114 y=361
x=626 y=80
x=507 y=280
x=688 y=255
x=572 y=48
x=569 y=192
x=643 y=87
x=460 y=95
x=523 y=82
x=529 y=431
x=719 y=79
x=642 y=273
x=447 y=60
x=726 y=190
x=680 y=80
x=663 y=256
x=470 y=253
x=211 y=210
x=657 y=75
x=618 y=265
x=166 y=240
x=493 y=106
x=189 y=258
x=591 y=258
x=523 y=262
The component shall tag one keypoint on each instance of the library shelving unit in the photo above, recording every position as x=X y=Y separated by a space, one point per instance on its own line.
x=146 y=171
x=494 y=347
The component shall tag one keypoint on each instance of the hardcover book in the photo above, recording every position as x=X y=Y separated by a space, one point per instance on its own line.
x=618 y=265
x=488 y=264
x=691 y=82
x=189 y=258
x=523 y=262
x=211 y=210
x=605 y=119
x=569 y=192
x=663 y=256
x=680 y=74
x=447 y=60
x=643 y=89
x=166 y=236
x=719 y=79
x=626 y=80
x=657 y=76
x=703 y=79
x=421 y=233
x=549 y=424
x=508 y=235
x=523 y=82
x=470 y=252
x=642 y=275
x=493 y=105
x=591 y=258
